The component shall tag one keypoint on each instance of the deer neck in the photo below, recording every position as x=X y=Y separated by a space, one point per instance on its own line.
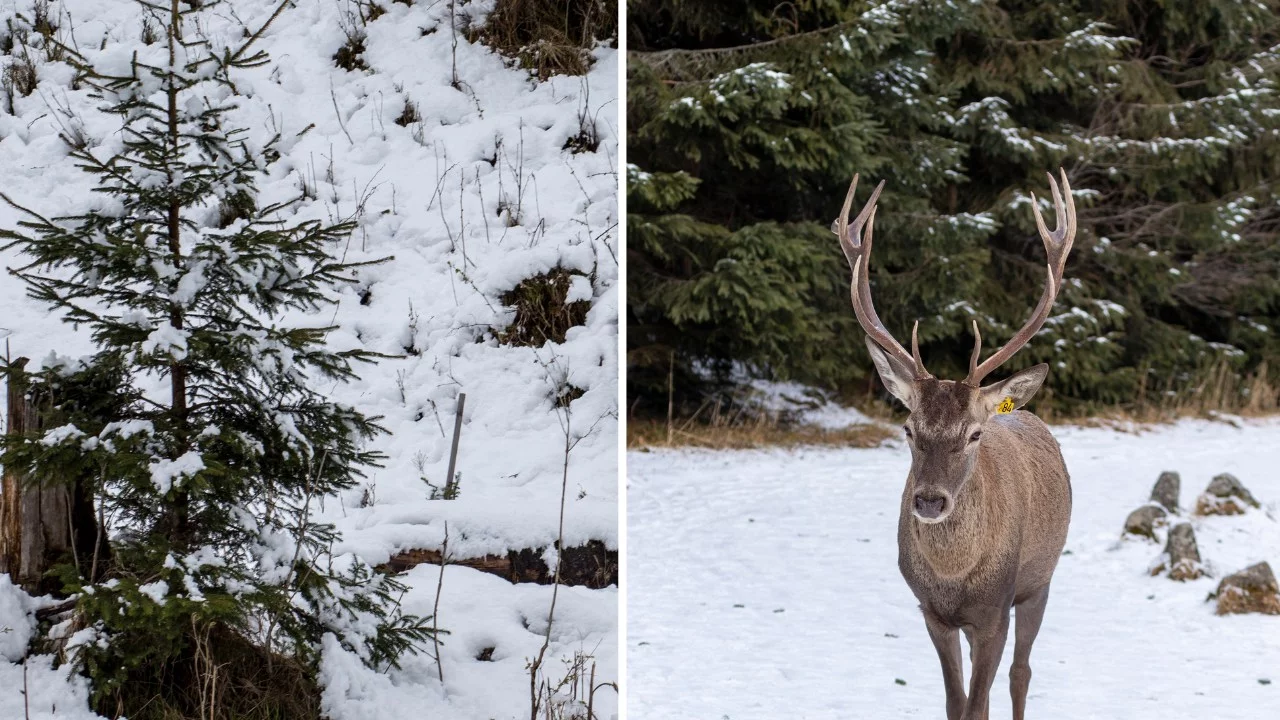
x=954 y=547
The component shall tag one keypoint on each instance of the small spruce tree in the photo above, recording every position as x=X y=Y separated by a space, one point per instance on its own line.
x=196 y=424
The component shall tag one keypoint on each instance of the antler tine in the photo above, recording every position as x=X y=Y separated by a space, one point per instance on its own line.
x=915 y=349
x=1057 y=245
x=977 y=349
x=841 y=226
x=865 y=309
x=849 y=234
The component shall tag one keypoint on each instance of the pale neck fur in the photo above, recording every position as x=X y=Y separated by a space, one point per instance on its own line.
x=955 y=546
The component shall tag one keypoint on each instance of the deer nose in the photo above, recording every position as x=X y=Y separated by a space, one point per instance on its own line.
x=929 y=505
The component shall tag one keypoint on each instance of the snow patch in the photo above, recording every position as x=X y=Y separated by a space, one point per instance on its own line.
x=166 y=473
x=821 y=620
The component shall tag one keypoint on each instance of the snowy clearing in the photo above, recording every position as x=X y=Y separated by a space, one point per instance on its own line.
x=764 y=584
x=477 y=195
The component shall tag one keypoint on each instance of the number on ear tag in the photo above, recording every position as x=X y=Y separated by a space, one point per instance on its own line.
x=1006 y=406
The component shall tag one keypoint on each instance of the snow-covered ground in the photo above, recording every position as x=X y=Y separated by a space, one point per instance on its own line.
x=764 y=584
x=474 y=197
x=31 y=687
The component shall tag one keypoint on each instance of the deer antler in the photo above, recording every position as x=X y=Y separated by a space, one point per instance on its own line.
x=1057 y=245
x=858 y=252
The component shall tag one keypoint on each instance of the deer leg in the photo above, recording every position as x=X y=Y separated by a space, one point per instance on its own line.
x=947 y=642
x=988 y=645
x=1030 y=613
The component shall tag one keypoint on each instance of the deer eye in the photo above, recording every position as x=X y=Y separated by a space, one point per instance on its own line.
x=906 y=430
x=974 y=437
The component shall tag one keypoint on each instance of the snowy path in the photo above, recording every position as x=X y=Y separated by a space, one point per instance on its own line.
x=764 y=584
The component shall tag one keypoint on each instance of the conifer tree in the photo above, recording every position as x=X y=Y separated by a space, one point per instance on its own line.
x=197 y=423
x=746 y=123
x=1165 y=115
x=747 y=119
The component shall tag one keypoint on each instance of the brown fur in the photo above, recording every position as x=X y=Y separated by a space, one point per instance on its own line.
x=985 y=511
x=1016 y=503
x=1000 y=543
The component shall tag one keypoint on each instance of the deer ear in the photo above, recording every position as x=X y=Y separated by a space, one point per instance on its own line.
x=1014 y=391
x=898 y=379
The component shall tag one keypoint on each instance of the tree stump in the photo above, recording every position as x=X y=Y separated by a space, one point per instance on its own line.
x=35 y=521
x=41 y=524
x=1225 y=495
x=1166 y=490
x=1252 y=590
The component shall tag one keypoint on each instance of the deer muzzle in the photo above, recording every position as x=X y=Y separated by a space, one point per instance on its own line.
x=931 y=505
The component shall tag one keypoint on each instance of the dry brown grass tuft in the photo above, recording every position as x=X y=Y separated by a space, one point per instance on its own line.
x=761 y=432
x=1217 y=393
x=1234 y=601
x=1207 y=504
x=373 y=11
x=19 y=78
x=1220 y=389
x=350 y=56
x=542 y=310
x=551 y=37
x=409 y=115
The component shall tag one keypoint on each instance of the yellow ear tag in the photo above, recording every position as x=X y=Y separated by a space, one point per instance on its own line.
x=1006 y=406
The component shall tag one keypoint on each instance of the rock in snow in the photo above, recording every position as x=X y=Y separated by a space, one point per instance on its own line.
x=1252 y=590
x=1145 y=520
x=1166 y=490
x=1225 y=495
x=1181 y=556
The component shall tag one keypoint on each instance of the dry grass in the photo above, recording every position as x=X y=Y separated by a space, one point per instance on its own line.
x=1207 y=504
x=373 y=11
x=1218 y=393
x=409 y=115
x=571 y=696
x=350 y=56
x=19 y=78
x=587 y=139
x=542 y=311
x=1234 y=601
x=550 y=37
x=1221 y=389
x=762 y=432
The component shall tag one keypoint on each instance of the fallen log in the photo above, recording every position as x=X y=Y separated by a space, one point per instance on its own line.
x=591 y=565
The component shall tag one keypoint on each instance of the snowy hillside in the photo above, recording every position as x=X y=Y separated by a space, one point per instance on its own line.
x=472 y=177
x=764 y=584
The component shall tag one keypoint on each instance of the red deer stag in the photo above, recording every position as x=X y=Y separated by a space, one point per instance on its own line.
x=985 y=510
